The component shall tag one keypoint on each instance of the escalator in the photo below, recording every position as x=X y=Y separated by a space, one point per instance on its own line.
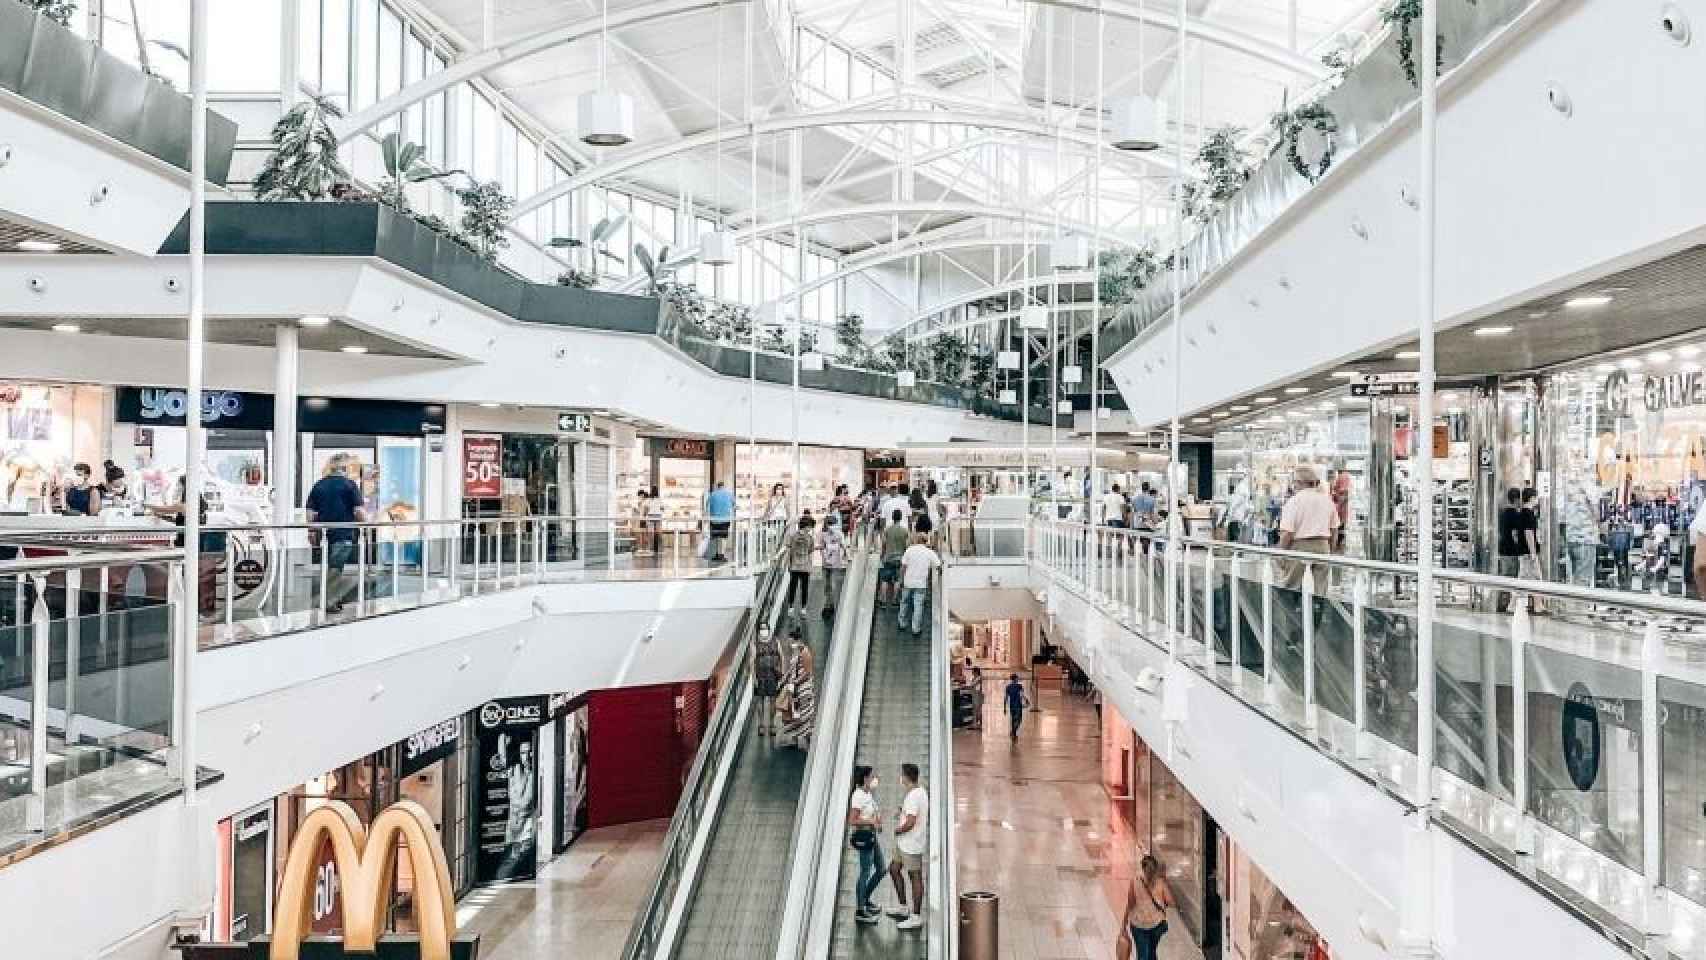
x=723 y=875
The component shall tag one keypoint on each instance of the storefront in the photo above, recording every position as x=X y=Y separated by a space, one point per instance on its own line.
x=1256 y=463
x=569 y=775
x=387 y=439
x=46 y=428
x=993 y=644
x=822 y=469
x=678 y=469
x=884 y=468
x=433 y=767
x=967 y=472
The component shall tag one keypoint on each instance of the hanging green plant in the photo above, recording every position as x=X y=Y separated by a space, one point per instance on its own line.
x=1399 y=17
x=1289 y=126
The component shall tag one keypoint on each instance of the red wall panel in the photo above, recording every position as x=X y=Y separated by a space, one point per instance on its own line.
x=640 y=747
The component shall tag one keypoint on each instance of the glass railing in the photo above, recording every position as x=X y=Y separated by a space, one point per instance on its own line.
x=654 y=921
x=262 y=581
x=1569 y=741
x=86 y=690
x=973 y=540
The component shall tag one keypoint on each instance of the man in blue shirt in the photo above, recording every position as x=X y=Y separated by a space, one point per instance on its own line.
x=1016 y=702
x=335 y=498
x=720 y=511
x=1143 y=508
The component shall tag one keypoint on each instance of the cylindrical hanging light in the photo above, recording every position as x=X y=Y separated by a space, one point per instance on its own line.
x=906 y=379
x=1135 y=123
x=717 y=248
x=1072 y=374
x=1007 y=360
x=1063 y=406
x=1069 y=252
x=605 y=118
x=1008 y=397
x=1033 y=317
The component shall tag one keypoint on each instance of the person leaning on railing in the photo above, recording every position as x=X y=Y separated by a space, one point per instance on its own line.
x=335 y=498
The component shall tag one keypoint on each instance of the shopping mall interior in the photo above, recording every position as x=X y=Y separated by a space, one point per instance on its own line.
x=806 y=479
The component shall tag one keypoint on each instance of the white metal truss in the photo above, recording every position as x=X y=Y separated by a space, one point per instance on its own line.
x=1199 y=29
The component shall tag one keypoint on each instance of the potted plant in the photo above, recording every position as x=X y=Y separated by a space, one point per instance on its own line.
x=405 y=163
x=304 y=161
x=485 y=215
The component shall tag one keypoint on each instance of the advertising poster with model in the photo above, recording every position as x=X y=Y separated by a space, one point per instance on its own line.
x=508 y=810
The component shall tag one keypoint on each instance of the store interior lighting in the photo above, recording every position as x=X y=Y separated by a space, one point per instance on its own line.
x=1297 y=391
x=67 y=328
x=1587 y=303
x=1658 y=356
x=1266 y=399
x=38 y=246
x=353 y=348
x=1407 y=355
x=314 y=321
x=1492 y=331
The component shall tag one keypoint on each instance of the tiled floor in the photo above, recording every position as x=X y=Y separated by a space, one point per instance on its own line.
x=582 y=904
x=1034 y=825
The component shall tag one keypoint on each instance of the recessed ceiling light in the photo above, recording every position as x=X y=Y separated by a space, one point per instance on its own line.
x=1199 y=419
x=1492 y=331
x=1240 y=408
x=489 y=405
x=67 y=328
x=1584 y=303
x=1689 y=366
x=1294 y=391
x=1688 y=352
x=314 y=321
x=1658 y=356
x=1407 y=354
x=1296 y=414
x=1605 y=367
x=353 y=348
x=1630 y=363
x=1612 y=289
x=1536 y=314
x=1266 y=399
x=1346 y=374
x=1351 y=400
x=38 y=246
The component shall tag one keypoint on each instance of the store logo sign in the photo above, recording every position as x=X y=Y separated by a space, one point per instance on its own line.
x=517 y=713
x=433 y=738
x=174 y=404
x=1667 y=392
x=363 y=861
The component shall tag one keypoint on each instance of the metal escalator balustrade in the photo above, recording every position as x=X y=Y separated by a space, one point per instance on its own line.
x=1528 y=708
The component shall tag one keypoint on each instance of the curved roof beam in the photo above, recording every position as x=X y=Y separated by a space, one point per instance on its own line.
x=993 y=290
x=477 y=64
x=1207 y=32
x=854 y=267
x=632 y=159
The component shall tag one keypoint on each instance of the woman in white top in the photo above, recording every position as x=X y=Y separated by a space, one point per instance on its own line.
x=865 y=819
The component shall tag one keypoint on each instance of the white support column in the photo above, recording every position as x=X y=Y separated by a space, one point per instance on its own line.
x=796 y=163
x=1359 y=663
x=1175 y=523
x=284 y=436
x=1657 y=906
x=184 y=726
x=289 y=50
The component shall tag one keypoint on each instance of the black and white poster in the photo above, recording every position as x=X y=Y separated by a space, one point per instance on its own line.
x=508 y=789
x=571 y=778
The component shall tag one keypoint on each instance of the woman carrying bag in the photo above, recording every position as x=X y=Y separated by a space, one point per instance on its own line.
x=1145 y=914
x=866 y=819
x=833 y=545
x=800 y=693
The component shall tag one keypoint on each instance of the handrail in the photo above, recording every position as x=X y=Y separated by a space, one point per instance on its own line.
x=814 y=864
x=85 y=561
x=943 y=933
x=727 y=720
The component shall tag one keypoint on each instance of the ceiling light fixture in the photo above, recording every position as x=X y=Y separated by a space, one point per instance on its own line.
x=1296 y=391
x=1586 y=303
x=606 y=118
x=1240 y=408
x=489 y=405
x=1136 y=122
x=1658 y=356
x=1407 y=355
x=353 y=348
x=39 y=246
x=1630 y=363
x=1536 y=314
x=1689 y=366
x=1266 y=399
x=1605 y=367
x=1220 y=415
x=67 y=328
x=1492 y=331
x=1688 y=352
x=1346 y=374
x=314 y=321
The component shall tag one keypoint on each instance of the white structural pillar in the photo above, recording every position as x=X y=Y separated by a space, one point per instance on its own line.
x=189 y=619
x=1171 y=487
x=1416 y=936
x=284 y=388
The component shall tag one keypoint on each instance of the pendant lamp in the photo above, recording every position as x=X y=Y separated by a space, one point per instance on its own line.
x=1069 y=252
x=812 y=361
x=1064 y=406
x=1072 y=374
x=605 y=118
x=1007 y=360
x=906 y=379
x=1136 y=123
x=717 y=248
x=1033 y=317
x=1008 y=397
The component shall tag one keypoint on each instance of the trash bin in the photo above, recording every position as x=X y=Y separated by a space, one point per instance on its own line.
x=980 y=926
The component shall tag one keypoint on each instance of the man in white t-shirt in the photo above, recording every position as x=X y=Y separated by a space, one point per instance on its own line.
x=911 y=839
x=915 y=566
x=893 y=501
x=1113 y=507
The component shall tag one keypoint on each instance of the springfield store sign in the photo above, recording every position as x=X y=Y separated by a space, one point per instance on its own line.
x=427 y=747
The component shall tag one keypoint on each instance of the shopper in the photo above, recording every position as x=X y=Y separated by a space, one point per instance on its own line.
x=911 y=839
x=642 y=546
x=335 y=499
x=211 y=545
x=832 y=544
x=842 y=506
x=82 y=497
x=1145 y=913
x=1529 y=567
x=895 y=541
x=776 y=507
x=1143 y=508
x=1307 y=525
x=720 y=513
x=1512 y=543
x=896 y=499
x=654 y=520
x=917 y=504
x=801 y=544
x=1238 y=511
x=766 y=679
x=865 y=819
x=114 y=486
x=1016 y=702
x=916 y=566
x=1339 y=488
x=1113 y=507
x=800 y=692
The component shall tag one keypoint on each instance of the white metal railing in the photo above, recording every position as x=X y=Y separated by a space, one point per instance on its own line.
x=943 y=933
x=1565 y=738
x=87 y=692
x=264 y=580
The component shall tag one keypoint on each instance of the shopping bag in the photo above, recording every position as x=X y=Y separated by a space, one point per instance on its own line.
x=704 y=543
